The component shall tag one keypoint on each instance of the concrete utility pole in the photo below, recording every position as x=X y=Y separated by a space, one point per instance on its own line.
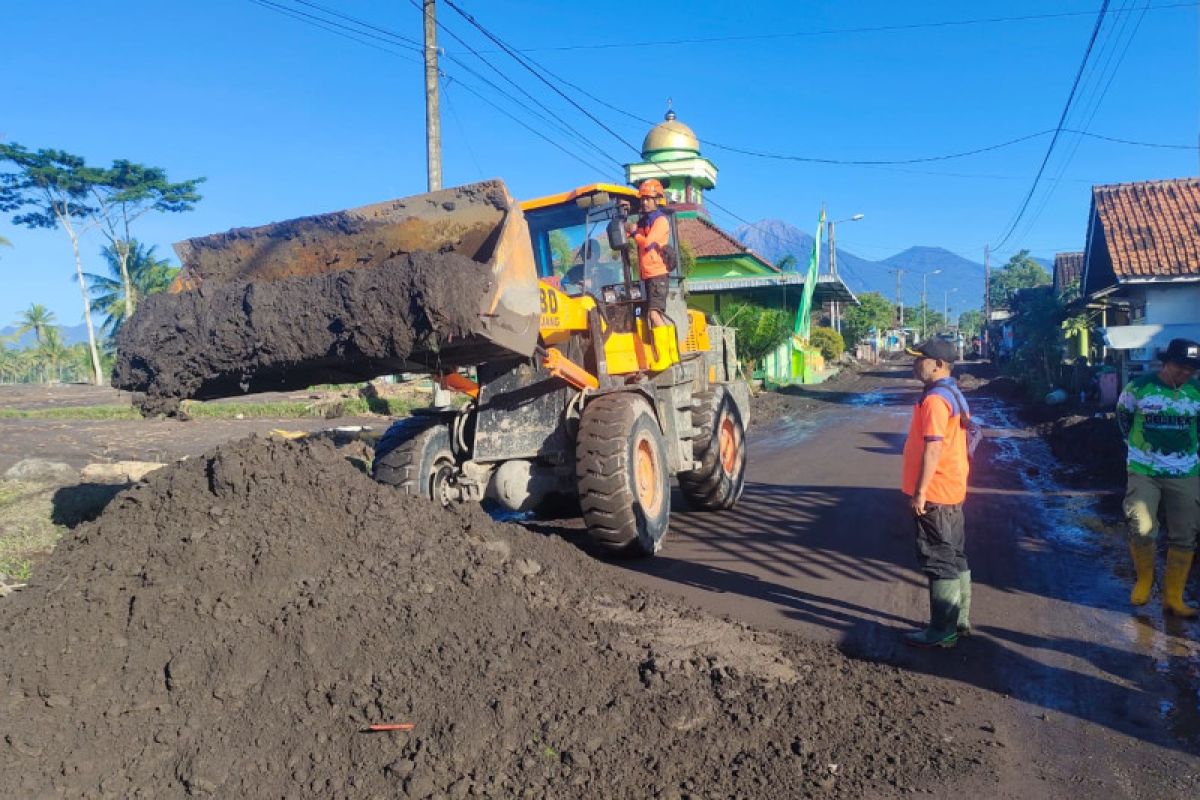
x=433 y=124
x=835 y=308
x=925 y=300
x=899 y=296
x=987 y=296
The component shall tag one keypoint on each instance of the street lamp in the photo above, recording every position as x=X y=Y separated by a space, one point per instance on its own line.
x=835 y=307
x=946 y=306
x=924 y=302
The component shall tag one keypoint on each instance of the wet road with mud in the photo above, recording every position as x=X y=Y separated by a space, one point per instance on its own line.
x=1088 y=698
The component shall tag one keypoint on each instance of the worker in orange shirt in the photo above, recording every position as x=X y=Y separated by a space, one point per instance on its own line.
x=653 y=236
x=936 y=463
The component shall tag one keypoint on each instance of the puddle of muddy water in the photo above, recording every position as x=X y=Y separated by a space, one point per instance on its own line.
x=1072 y=524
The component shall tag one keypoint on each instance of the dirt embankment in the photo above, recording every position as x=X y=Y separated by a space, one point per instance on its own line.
x=232 y=625
x=338 y=327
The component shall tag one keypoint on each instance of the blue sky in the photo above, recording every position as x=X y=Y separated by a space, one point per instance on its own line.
x=284 y=119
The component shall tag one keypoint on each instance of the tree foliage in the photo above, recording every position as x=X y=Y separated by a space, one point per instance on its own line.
x=829 y=342
x=147 y=274
x=873 y=311
x=970 y=322
x=125 y=192
x=759 y=329
x=1021 y=272
x=36 y=318
x=51 y=188
x=48 y=189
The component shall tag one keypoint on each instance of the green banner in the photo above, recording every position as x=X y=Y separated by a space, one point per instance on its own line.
x=804 y=312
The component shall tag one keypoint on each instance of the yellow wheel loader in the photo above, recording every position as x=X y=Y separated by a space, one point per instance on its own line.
x=573 y=400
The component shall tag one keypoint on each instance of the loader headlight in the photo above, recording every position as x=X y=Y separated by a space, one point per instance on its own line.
x=610 y=296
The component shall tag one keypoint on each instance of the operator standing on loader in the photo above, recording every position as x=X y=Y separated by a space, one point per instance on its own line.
x=652 y=236
x=1159 y=414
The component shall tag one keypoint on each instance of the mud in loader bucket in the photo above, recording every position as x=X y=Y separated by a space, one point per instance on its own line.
x=425 y=283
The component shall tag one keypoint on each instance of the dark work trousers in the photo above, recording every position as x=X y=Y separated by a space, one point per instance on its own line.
x=940 y=540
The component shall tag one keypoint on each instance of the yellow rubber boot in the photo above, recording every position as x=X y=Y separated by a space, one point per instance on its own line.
x=1174 y=578
x=1142 y=551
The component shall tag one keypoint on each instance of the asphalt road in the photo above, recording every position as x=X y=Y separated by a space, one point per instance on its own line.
x=1093 y=701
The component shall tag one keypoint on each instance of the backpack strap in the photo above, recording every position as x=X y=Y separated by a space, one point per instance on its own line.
x=953 y=396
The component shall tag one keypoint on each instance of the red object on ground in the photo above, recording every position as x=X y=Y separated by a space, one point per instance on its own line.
x=398 y=726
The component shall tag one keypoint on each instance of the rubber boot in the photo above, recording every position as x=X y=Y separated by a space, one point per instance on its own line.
x=1174 y=578
x=1142 y=551
x=964 y=603
x=943 y=616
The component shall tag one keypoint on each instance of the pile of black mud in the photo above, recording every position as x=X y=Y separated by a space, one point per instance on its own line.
x=280 y=335
x=230 y=628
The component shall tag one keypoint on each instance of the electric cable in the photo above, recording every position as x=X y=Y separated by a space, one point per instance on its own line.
x=831 y=31
x=333 y=27
x=564 y=125
x=325 y=25
x=1058 y=128
x=500 y=43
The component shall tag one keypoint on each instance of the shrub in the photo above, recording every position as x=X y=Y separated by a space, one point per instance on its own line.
x=829 y=342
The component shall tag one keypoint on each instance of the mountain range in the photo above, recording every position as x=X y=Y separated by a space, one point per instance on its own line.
x=71 y=334
x=960 y=282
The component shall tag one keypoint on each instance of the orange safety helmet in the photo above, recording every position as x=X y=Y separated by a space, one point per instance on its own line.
x=651 y=188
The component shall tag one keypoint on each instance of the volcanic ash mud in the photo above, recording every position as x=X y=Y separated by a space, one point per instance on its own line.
x=231 y=626
x=337 y=327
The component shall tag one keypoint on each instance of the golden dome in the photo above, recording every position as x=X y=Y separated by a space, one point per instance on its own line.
x=670 y=134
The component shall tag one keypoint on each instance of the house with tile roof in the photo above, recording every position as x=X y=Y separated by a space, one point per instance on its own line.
x=723 y=268
x=1068 y=269
x=1141 y=267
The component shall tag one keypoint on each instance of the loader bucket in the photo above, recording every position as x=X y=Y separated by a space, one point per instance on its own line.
x=424 y=283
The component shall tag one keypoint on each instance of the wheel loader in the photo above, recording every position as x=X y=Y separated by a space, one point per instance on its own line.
x=569 y=400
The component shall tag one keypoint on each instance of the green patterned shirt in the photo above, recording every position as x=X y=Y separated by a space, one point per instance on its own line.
x=1160 y=426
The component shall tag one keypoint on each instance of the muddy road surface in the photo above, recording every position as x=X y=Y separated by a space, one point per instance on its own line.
x=1087 y=698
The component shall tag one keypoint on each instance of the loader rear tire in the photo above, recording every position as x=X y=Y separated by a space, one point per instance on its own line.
x=415 y=456
x=621 y=467
x=720 y=447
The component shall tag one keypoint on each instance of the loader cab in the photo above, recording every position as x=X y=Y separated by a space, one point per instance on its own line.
x=572 y=245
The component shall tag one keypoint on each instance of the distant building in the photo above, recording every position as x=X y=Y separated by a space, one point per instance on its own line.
x=1141 y=267
x=1068 y=270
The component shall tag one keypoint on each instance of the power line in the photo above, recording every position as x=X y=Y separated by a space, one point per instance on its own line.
x=1091 y=107
x=419 y=46
x=830 y=31
x=345 y=31
x=340 y=30
x=500 y=43
x=564 y=125
x=1058 y=128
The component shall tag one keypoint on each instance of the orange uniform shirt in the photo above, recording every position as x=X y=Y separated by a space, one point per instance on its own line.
x=932 y=420
x=653 y=234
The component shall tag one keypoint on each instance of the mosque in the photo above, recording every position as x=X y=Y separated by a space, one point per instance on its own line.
x=724 y=268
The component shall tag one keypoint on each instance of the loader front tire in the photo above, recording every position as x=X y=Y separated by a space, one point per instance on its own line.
x=720 y=448
x=415 y=456
x=621 y=467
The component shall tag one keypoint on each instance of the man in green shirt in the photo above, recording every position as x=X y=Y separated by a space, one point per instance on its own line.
x=1158 y=415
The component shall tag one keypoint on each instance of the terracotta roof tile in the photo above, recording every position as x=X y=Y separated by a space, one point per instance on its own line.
x=706 y=240
x=1067 y=267
x=1152 y=228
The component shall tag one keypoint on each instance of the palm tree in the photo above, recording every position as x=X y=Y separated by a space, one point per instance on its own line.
x=51 y=353
x=147 y=275
x=36 y=318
